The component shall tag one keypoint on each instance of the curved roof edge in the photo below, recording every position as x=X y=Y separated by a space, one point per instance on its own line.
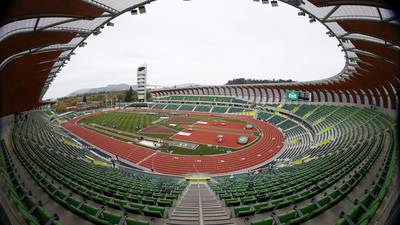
x=365 y=29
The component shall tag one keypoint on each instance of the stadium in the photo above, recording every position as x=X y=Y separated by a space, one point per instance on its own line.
x=315 y=152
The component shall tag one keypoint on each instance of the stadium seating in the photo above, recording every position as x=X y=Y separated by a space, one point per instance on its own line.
x=286 y=124
x=304 y=108
x=330 y=153
x=223 y=99
x=235 y=100
x=31 y=210
x=47 y=160
x=177 y=98
x=204 y=99
x=276 y=119
x=191 y=98
x=365 y=209
x=187 y=107
x=172 y=106
x=235 y=110
x=159 y=106
x=290 y=107
x=203 y=108
x=248 y=152
x=348 y=127
x=286 y=189
x=219 y=109
x=263 y=115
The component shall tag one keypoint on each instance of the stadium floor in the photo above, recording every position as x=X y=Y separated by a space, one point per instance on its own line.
x=269 y=144
x=206 y=132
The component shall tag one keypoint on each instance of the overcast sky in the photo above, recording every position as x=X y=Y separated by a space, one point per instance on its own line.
x=203 y=42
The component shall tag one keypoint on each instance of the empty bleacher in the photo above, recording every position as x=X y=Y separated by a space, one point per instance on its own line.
x=219 y=109
x=337 y=167
x=204 y=99
x=184 y=107
x=362 y=142
x=94 y=193
x=203 y=108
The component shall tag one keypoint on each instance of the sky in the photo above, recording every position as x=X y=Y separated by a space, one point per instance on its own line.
x=205 y=42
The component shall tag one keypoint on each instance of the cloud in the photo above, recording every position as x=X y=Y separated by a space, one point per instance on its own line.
x=206 y=42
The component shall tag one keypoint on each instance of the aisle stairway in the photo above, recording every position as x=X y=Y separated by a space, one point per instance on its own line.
x=199 y=206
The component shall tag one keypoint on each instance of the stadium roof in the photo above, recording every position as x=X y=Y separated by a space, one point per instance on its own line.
x=38 y=39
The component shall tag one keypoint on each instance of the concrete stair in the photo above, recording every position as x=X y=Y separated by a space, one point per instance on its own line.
x=199 y=206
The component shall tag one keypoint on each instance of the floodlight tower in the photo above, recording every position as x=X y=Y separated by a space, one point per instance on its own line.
x=142 y=82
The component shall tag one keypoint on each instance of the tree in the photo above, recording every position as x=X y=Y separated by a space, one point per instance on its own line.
x=59 y=107
x=134 y=96
x=100 y=97
x=84 y=98
x=148 y=96
x=120 y=97
x=129 y=95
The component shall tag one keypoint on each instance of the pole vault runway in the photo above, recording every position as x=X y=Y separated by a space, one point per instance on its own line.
x=268 y=145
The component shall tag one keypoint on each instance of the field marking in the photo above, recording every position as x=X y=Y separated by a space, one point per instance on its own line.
x=183 y=133
x=146 y=158
x=156 y=121
x=229 y=165
x=202 y=122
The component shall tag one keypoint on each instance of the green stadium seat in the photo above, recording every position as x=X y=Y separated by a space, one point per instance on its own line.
x=244 y=211
x=232 y=202
x=154 y=211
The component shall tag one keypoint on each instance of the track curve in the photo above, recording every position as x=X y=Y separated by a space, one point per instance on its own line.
x=269 y=144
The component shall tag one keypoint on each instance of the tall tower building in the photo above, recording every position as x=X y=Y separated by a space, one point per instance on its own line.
x=142 y=82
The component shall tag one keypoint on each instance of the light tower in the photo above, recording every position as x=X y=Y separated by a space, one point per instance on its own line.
x=142 y=82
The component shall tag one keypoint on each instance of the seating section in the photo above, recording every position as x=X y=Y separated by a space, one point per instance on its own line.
x=235 y=110
x=366 y=208
x=159 y=106
x=191 y=98
x=357 y=139
x=187 y=107
x=30 y=209
x=99 y=194
x=206 y=98
x=337 y=165
x=203 y=108
x=287 y=124
x=298 y=139
x=235 y=100
x=219 y=109
x=290 y=107
x=327 y=122
x=276 y=119
x=279 y=120
x=203 y=99
x=177 y=98
x=303 y=109
x=70 y=115
x=172 y=106
x=263 y=115
x=223 y=99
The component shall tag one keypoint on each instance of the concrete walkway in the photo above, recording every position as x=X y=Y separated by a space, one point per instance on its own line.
x=199 y=206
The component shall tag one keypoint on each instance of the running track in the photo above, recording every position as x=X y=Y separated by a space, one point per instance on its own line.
x=173 y=164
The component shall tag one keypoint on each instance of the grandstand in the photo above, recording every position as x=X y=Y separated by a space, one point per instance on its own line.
x=329 y=159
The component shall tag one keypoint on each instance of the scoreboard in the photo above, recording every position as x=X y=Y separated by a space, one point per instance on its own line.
x=297 y=96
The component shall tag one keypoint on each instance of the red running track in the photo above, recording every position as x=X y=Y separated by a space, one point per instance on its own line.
x=266 y=147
